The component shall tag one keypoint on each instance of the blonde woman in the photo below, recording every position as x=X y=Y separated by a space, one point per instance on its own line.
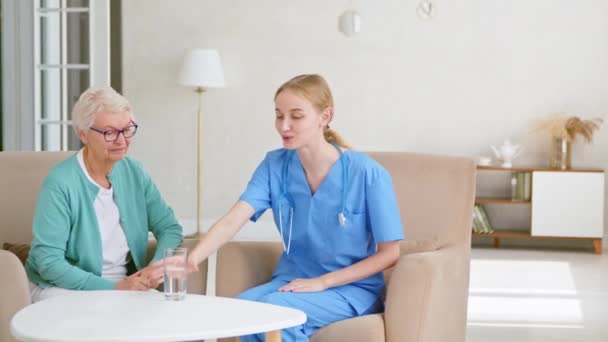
x=334 y=208
x=95 y=209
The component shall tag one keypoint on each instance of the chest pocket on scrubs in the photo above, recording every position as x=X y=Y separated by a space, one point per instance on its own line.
x=348 y=243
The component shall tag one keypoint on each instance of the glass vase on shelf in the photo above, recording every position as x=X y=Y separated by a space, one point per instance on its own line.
x=561 y=155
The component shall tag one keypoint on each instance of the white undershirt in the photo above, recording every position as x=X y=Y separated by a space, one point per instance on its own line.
x=115 y=249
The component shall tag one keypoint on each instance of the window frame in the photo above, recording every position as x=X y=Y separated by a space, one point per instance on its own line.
x=21 y=46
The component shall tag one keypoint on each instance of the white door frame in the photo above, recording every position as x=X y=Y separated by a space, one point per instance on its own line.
x=99 y=42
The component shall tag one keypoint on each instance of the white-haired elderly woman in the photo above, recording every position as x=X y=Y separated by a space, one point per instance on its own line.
x=95 y=209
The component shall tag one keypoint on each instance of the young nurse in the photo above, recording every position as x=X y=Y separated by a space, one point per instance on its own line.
x=335 y=210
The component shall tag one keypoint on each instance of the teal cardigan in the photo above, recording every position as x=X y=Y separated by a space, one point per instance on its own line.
x=66 y=249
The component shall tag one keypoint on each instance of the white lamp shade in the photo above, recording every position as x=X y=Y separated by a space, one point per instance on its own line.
x=202 y=68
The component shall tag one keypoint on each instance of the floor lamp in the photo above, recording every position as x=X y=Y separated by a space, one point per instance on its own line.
x=200 y=70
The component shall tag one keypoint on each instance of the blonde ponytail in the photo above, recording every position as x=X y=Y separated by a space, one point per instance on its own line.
x=332 y=136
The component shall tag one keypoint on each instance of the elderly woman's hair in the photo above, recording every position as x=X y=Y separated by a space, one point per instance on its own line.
x=95 y=100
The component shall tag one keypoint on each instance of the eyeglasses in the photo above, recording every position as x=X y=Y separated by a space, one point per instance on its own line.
x=111 y=134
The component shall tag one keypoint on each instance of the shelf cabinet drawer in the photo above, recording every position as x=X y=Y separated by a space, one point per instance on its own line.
x=568 y=204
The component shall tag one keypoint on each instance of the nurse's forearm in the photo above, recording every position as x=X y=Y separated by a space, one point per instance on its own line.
x=222 y=231
x=386 y=256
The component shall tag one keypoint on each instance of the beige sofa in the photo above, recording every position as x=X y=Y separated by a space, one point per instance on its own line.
x=21 y=175
x=427 y=290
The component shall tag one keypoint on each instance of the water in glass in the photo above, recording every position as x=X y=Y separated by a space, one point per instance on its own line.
x=176 y=277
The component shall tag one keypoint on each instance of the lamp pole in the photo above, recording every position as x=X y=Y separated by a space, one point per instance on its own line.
x=199 y=150
x=201 y=69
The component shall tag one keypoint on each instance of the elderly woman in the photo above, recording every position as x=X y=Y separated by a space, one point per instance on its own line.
x=95 y=209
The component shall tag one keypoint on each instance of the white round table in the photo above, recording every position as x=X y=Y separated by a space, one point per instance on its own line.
x=86 y=316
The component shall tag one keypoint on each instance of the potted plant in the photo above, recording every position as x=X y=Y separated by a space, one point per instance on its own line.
x=563 y=130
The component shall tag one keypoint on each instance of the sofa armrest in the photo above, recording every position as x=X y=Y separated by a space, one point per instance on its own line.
x=427 y=288
x=197 y=281
x=150 y=251
x=14 y=291
x=243 y=265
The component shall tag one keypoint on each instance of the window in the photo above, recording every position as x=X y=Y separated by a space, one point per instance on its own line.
x=71 y=53
x=51 y=51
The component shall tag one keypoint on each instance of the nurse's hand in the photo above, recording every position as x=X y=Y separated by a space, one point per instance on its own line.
x=192 y=264
x=305 y=285
x=176 y=260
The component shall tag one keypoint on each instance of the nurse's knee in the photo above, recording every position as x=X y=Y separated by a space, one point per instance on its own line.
x=277 y=298
x=249 y=295
x=252 y=338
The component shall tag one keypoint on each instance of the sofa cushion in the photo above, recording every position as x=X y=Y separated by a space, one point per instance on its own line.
x=362 y=328
x=19 y=249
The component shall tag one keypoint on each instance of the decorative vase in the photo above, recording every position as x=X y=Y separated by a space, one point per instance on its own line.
x=561 y=156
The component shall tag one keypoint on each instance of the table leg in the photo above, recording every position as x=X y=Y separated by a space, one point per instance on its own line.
x=597 y=246
x=273 y=336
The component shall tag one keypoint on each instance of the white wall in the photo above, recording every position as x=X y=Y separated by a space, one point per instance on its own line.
x=478 y=73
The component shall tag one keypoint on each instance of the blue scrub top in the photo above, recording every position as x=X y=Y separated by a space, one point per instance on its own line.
x=319 y=244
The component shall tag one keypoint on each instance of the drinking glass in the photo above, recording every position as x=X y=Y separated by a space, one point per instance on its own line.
x=176 y=277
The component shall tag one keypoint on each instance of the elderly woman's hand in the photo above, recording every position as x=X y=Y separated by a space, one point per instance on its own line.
x=145 y=279
x=135 y=282
x=154 y=274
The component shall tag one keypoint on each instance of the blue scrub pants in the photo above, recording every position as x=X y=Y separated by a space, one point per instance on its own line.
x=321 y=308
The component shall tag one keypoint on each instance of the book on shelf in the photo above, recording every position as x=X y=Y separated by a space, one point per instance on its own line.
x=521 y=183
x=527 y=185
x=481 y=221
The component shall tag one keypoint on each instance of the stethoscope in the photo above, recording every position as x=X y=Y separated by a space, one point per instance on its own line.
x=287 y=196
